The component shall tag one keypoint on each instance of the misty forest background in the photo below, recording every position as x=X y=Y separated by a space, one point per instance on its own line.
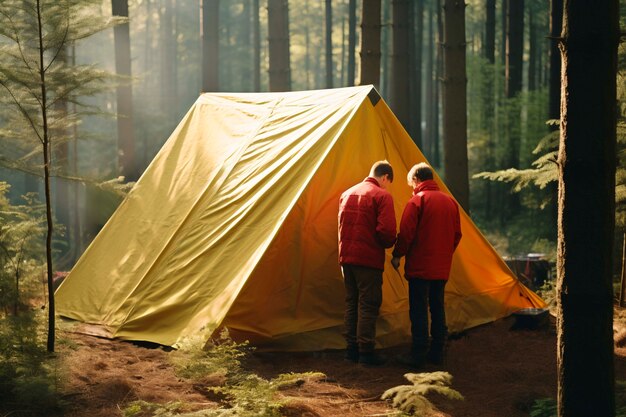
x=90 y=90
x=169 y=51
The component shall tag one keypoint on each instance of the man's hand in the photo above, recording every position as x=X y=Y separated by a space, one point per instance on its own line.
x=395 y=262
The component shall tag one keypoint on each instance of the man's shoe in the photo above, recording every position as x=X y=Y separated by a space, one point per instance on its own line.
x=412 y=362
x=371 y=359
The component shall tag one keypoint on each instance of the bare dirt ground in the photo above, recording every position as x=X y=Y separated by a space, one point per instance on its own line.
x=499 y=371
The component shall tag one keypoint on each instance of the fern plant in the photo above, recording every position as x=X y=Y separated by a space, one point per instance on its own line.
x=412 y=399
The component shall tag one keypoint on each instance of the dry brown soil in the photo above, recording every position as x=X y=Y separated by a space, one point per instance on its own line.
x=499 y=371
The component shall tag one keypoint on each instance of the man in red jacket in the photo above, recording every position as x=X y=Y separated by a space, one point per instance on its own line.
x=430 y=231
x=367 y=225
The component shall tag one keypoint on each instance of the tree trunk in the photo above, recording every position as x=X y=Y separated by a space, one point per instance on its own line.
x=556 y=23
x=167 y=58
x=400 y=79
x=622 y=287
x=45 y=142
x=385 y=49
x=61 y=164
x=210 y=45
x=490 y=31
x=307 y=48
x=427 y=143
x=125 y=134
x=437 y=96
x=454 y=102
x=351 y=41
x=329 y=44
x=515 y=48
x=370 y=43
x=532 y=50
x=257 y=45
x=513 y=86
x=590 y=36
x=415 y=102
x=504 y=13
x=489 y=100
x=278 y=21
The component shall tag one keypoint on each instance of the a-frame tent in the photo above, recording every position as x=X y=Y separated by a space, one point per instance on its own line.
x=234 y=225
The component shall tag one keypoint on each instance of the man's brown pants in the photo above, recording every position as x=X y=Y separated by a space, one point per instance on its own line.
x=364 y=296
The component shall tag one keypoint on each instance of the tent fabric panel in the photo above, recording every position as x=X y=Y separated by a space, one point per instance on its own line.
x=306 y=291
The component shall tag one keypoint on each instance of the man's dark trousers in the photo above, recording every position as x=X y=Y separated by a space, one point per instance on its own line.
x=425 y=293
x=364 y=296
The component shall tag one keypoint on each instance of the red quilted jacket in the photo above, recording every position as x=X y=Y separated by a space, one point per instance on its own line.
x=367 y=224
x=430 y=231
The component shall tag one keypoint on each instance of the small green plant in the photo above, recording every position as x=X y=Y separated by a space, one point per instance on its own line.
x=544 y=407
x=547 y=407
x=218 y=367
x=411 y=399
x=547 y=292
x=194 y=362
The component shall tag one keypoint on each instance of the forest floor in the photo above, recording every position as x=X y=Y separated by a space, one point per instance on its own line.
x=499 y=371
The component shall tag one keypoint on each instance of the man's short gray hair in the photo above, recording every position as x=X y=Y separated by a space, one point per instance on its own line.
x=421 y=171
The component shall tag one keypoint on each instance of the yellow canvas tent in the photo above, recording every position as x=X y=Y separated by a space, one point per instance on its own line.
x=234 y=225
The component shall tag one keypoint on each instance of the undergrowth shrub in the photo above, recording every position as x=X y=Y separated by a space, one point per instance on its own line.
x=411 y=399
x=219 y=369
x=27 y=373
x=547 y=407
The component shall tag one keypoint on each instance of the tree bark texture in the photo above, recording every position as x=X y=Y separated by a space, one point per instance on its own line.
x=556 y=23
x=46 y=146
x=427 y=143
x=416 y=64
x=278 y=21
x=125 y=133
x=370 y=43
x=436 y=105
x=490 y=31
x=455 y=102
x=351 y=41
x=586 y=223
x=503 y=21
x=514 y=48
x=532 y=51
x=329 y=43
x=61 y=162
x=400 y=63
x=257 y=45
x=210 y=45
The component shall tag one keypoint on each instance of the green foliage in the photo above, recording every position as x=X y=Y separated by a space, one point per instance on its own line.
x=21 y=231
x=544 y=407
x=547 y=407
x=34 y=112
x=28 y=375
x=547 y=292
x=194 y=362
x=412 y=398
x=544 y=169
x=219 y=368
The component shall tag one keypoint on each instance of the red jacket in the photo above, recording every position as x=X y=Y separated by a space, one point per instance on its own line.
x=430 y=231
x=367 y=225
